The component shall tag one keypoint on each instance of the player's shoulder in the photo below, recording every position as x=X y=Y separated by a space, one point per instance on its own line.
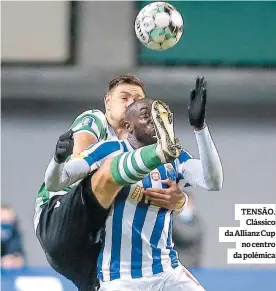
x=115 y=141
x=112 y=139
x=112 y=144
x=95 y=114
x=93 y=121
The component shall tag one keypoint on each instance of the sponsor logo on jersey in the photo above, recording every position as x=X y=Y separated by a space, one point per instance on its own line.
x=88 y=120
x=155 y=176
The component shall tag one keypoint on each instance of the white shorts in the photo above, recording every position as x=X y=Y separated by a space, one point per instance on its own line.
x=178 y=279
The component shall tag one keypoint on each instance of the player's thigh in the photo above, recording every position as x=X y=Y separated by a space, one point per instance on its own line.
x=62 y=223
x=67 y=231
x=97 y=214
x=103 y=186
x=68 y=222
x=181 y=280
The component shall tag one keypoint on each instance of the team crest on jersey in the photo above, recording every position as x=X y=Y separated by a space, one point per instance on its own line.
x=170 y=171
x=88 y=120
x=155 y=176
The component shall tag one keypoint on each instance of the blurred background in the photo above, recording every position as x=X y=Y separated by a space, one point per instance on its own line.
x=57 y=58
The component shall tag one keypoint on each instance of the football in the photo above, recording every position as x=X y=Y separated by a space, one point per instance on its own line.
x=159 y=26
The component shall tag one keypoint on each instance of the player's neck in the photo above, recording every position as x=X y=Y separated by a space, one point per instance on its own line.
x=116 y=127
x=121 y=133
x=136 y=144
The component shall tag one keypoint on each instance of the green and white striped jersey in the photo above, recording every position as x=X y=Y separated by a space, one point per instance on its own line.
x=91 y=121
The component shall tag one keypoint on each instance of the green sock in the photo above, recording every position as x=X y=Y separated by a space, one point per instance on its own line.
x=129 y=168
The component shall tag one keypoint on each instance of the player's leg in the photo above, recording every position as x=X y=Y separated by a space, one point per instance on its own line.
x=67 y=231
x=124 y=169
x=180 y=279
x=129 y=168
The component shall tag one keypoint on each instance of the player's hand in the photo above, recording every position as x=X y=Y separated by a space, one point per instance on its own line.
x=197 y=106
x=64 y=147
x=171 y=198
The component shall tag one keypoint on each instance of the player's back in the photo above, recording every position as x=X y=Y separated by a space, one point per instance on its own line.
x=138 y=240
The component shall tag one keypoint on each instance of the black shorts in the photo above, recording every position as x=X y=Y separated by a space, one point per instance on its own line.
x=69 y=232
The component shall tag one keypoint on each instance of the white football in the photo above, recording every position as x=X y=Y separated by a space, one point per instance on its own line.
x=159 y=26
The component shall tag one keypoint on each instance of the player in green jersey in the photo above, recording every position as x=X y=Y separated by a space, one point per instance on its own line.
x=93 y=125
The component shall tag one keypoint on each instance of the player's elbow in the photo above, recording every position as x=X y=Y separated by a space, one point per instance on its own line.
x=215 y=187
x=215 y=183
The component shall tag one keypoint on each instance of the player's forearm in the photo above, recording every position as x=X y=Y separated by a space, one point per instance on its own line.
x=205 y=172
x=82 y=140
x=212 y=174
x=58 y=176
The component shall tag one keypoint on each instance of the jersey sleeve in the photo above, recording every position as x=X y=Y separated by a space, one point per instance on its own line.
x=205 y=173
x=58 y=176
x=190 y=170
x=98 y=153
x=179 y=165
x=93 y=122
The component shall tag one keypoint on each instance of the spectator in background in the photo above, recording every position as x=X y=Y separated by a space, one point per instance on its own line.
x=12 y=255
x=188 y=236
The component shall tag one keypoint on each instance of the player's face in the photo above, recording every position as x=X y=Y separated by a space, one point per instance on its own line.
x=143 y=128
x=120 y=98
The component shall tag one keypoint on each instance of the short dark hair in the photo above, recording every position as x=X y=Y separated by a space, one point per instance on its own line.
x=125 y=79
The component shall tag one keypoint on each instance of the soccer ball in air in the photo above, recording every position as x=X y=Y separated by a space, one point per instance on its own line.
x=159 y=26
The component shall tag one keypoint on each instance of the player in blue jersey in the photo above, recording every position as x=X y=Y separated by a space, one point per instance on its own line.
x=138 y=250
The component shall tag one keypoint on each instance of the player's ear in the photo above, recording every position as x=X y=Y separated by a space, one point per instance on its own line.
x=128 y=126
x=107 y=102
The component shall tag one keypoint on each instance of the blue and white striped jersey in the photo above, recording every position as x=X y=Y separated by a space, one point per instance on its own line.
x=138 y=235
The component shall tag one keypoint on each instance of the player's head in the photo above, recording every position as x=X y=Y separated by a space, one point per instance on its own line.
x=122 y=92
x=138 y=121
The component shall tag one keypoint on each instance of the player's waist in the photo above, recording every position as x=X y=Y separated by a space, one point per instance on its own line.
x=64 y=191
x=109 y=270
x=127 y=271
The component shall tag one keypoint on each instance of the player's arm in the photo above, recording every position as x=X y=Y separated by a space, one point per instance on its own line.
x=205 y=172
x=89 y=128
x=82 y=140
x=60 y=174
x=172 y=198
x=57 y=176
